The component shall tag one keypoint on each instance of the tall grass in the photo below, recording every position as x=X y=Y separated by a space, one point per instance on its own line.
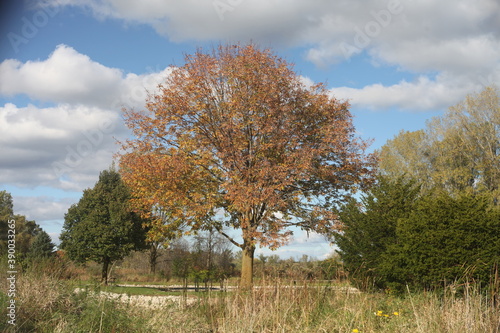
x=292 y=308
x=49 y=304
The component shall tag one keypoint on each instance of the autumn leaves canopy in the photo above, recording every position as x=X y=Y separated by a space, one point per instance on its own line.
x=235 y=139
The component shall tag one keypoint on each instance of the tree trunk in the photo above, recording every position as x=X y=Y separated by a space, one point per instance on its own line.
x=104 y=275
x=246 y=281
x=153 y=256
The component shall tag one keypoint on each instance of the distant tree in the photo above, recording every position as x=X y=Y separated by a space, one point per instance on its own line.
x=408 y=154
x=27 y=232
x=459 y=151
x=6 y=205
x=181 y=260
x=369 y=228
x=101 y=226
x=42 y=246
x=236 y=132
x=332 y=268
x=160 y=232
x=6 y=214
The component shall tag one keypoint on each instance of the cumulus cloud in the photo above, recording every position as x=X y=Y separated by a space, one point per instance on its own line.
x=63 y=146
x=422 y=94
x=218 y=19
x=467 y=54
x=323 y=25
x=457 y=40
x=42 y=208
x=67 y=76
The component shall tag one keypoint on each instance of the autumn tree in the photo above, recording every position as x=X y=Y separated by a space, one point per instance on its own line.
x=102 y=227
x=459 y=151
x=235 y=139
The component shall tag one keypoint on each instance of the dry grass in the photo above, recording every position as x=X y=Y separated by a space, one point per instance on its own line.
x=47 y=304
x=284 y=308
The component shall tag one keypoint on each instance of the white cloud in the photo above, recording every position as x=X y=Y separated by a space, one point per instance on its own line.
x=453 y=46
x=311 y=238
x=421 y=95
x=468 y=54
x=67 y=76
x=313 y=244
x=322 y=25
x=42 y=208
x=64 y=146
x=215 y=19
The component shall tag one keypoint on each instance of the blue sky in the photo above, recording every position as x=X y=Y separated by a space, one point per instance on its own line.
x=68 y=66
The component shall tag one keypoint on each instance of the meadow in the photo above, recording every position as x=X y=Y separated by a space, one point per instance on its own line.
x=47 y=302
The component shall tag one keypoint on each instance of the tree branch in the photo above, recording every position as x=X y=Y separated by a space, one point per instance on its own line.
x=228 y=237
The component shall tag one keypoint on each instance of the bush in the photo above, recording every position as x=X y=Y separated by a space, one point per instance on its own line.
x=445 y=240
x=369 y=228
x=396 y=236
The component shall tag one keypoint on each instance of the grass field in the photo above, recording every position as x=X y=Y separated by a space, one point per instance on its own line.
x=47 y=304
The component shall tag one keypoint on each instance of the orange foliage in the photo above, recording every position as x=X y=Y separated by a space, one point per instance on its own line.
x=235 y=132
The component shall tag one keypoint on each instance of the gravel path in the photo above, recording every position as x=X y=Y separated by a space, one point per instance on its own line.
x=160 y=301
x=145 y=301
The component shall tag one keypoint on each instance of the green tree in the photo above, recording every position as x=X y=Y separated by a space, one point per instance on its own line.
x=369 y=227
x=6 y=214
x=101 y=226
x=42 y=246
x=445 y=239
x=6 y=205
x=26 y=231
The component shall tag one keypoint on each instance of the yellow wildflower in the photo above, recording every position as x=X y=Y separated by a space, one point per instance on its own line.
x=396 y=313
x=355 y=330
